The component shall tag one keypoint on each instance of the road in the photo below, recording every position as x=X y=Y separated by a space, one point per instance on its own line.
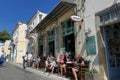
x=11 y=72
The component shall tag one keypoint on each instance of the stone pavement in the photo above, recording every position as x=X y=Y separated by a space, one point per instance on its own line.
x=42 y=73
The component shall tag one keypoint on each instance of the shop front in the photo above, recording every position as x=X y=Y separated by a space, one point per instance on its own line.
x=68 y=36
x=51 y=42
x=56 y=36
x=109 y=24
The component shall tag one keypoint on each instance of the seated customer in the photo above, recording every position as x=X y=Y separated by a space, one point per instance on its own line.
x=76 y=68
x=63 y=66
x=48 y=61
x=37 y=62
x=53 y=65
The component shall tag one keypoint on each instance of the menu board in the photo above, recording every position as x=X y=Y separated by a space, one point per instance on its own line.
x=91 y=45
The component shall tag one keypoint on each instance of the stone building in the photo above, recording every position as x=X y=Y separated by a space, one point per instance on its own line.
x=19 y=42
x=32 y=36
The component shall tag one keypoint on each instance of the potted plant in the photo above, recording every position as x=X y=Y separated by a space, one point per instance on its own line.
x=90 y=74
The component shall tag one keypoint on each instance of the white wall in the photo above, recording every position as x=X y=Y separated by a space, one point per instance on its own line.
x=91 y=8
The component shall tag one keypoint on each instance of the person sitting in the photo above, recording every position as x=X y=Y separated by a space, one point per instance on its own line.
x=63 y=66
x=48 y=61
x=76 y=68
x=53 y=65
x=61 y=59
x=37 y=62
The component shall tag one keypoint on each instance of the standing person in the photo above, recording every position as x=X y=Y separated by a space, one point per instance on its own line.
x=7 y=58
x=30 y=59
x=2 y=58
x=76 y=68
x=25 y=60
x=63 y=66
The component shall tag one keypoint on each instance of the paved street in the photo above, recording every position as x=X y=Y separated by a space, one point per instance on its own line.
x=11 y=72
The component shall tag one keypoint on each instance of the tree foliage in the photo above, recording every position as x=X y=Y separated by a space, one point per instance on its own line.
x=4 y=35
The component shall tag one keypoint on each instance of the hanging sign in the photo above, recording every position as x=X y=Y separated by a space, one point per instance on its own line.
x=75 y=18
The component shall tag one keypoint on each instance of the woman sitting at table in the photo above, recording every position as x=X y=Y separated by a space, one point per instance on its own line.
x=48 y=61
x=76 y=68
x=63 y=66
x=53 y=65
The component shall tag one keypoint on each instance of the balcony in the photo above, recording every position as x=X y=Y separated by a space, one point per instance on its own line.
x=30 y=35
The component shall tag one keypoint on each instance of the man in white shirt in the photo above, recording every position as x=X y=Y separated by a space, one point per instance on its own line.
x=30 y=59
x=25 y=60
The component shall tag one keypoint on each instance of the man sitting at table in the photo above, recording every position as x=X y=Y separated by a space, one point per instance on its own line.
x=76 y=68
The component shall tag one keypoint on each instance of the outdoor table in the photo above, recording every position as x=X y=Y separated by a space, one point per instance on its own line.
x=69 y=66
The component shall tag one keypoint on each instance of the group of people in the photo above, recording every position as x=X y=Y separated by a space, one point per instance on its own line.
x=30 y=61
x=52 y=63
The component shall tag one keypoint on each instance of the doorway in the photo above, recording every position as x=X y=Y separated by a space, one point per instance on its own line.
x=51 y=48
x=111 y=36
x=69 y=44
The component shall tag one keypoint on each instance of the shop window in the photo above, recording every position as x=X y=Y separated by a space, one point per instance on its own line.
x=51 y=35
x=68 y=27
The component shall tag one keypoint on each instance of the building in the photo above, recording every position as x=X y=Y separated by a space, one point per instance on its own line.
x=56 y=31
x=7 y=47
x=1 y=48
x=19 y=42
x=88 y=37
x=108 y=38
x=32 y=36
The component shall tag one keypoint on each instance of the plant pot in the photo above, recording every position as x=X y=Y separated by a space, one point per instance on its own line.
x=89 y=76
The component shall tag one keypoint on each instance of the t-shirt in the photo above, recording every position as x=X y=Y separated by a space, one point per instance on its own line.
x=29 y=56
x=78 y=61
x=2 y=58
x=61 y=60
x=37 y=59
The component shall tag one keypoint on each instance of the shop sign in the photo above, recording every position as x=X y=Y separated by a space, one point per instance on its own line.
x=75 y=18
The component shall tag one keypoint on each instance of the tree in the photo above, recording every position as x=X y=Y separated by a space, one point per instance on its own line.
x=4 y=35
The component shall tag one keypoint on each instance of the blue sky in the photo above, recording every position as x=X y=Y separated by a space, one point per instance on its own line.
x=13 y=11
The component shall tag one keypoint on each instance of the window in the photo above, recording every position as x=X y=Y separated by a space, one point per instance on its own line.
x=40 y=17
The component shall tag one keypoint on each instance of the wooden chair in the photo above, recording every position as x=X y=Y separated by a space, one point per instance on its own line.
x=81 y=73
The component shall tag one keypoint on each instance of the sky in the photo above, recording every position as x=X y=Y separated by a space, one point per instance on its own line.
x=13 y=11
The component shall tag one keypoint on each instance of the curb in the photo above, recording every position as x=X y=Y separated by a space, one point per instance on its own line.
x=39 y=72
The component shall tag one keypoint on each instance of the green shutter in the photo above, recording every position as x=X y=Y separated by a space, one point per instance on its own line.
x=68 y=27
x=91 y=45
x=51 y=35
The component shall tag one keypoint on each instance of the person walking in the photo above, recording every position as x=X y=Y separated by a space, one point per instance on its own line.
x=2 y=58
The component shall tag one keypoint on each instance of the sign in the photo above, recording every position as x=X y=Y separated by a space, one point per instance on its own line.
x=75 y=18
x=91 y=45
